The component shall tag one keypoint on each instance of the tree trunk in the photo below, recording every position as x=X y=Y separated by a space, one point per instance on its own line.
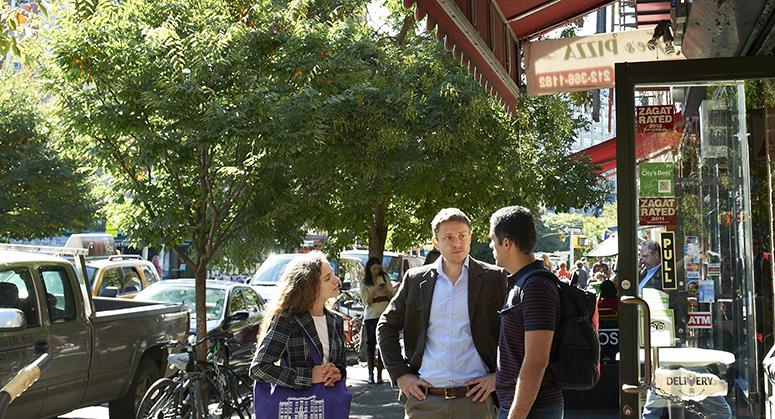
x=200 y=285
x=378 y=232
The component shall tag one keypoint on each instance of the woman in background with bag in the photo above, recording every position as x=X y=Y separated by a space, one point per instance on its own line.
x=299 y=364
x=376 y=292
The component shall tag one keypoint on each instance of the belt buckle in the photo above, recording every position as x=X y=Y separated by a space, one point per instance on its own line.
x=447 y=395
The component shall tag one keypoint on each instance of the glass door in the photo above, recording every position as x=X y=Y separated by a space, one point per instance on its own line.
x=688 y=326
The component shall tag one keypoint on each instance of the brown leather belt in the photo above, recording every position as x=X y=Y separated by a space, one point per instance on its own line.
x=448 y=393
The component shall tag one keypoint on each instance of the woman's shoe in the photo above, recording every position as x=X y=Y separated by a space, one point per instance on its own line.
x=379 y=379
x=371 y=378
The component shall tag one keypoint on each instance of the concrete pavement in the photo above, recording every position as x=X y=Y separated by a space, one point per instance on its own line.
x=370 y=401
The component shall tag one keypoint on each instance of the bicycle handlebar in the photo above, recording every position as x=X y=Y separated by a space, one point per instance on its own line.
x=22 y=381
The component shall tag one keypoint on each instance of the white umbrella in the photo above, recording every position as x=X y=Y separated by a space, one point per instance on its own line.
x=609 y=247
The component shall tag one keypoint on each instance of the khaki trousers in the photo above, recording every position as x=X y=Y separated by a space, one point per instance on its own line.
x=436 y=407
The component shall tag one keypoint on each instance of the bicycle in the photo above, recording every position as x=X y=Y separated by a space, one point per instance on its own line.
x=22 y=381
x=199 y=389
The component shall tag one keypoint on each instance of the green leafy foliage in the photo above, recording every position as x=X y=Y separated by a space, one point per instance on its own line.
x=42 y=192
x=193 y=108
x=417 y=134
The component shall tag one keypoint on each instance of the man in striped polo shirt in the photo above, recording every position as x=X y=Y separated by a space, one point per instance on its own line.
x=529 y=317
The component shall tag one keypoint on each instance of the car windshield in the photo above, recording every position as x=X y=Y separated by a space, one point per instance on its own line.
x=390 y=264
x=214 y=298
x=271 y=270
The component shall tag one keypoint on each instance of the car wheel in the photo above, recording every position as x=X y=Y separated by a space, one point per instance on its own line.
x=126 y=407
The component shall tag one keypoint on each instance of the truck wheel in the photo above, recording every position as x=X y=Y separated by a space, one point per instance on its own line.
x=126 y=407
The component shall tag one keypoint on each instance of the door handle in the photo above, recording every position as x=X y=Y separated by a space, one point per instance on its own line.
x=645 y=384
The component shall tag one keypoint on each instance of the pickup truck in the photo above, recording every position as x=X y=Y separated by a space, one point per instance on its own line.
x=102 y=349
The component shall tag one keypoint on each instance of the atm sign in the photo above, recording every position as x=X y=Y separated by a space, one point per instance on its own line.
x=700 y=320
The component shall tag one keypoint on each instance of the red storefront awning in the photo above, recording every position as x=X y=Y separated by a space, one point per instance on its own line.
x=485 y=35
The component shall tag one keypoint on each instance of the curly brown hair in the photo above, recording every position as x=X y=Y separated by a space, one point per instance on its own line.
x=299 y=287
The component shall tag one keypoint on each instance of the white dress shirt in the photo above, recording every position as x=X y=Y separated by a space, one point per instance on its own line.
x=450 y=358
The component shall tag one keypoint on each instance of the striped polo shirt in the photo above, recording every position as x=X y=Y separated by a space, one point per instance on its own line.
x=540 y=311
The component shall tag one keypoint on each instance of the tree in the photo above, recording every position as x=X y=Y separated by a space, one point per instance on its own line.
x=42 y=192
x=193 y=107
x=418 y=134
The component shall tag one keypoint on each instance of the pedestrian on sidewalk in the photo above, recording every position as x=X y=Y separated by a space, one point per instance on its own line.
x=298 y=316
x=448 y=312
x=530 y=315
x=376 y=292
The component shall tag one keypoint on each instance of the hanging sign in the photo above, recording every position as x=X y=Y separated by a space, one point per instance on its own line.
x=586 y=62
x=657 y=211
x=690 y=385
x=668 y=261
x=656 y=118
x=657 y=204
x=657 y=180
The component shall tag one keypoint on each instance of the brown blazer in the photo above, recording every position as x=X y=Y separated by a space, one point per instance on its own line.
x=410 y=311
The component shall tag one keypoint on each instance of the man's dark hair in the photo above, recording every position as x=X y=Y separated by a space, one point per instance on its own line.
x=516 y=224
x=608 y=289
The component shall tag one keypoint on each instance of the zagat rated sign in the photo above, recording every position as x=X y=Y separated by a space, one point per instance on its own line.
x=657 y=118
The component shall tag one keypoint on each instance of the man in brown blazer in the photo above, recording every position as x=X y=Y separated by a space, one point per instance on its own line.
x=448 y=312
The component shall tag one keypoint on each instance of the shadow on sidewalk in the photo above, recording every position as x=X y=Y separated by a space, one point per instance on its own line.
x=372 y=400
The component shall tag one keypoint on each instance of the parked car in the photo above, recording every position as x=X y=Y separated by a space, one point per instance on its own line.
x=395 y=264
x=120 y=275
x=267 y=278
x=109 y=274
x=102 y=349
x=231 y=306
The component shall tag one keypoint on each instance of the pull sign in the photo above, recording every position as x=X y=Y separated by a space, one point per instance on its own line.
x=668 y=261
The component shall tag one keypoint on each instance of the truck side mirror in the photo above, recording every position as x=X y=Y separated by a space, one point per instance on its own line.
x=12 y=320
x=109 y=292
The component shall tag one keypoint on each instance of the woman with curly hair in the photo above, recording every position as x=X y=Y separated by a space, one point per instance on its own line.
x=299 y=315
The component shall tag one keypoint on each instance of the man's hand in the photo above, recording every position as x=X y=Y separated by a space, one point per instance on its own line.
x=483 y=387
x=412 y=386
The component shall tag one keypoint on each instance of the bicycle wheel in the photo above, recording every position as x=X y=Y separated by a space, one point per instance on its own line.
x=157 y=403
x=238 y=396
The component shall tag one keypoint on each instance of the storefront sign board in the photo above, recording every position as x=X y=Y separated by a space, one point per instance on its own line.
x=586 y=62
x=655 y=118
x=657 y=211
x=657 y=180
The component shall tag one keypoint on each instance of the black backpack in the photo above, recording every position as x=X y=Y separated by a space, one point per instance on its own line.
x=574 y=363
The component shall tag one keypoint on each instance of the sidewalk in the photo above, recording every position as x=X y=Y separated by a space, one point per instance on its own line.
x=372 y=400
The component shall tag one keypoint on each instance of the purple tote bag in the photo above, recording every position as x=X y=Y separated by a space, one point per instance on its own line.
x=317 y=402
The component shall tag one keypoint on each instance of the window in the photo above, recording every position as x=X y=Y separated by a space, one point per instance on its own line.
x=111 y=278
x=150 y=275
x=253 y=300
x=237 y=302
x=17 y=291
x=60 y=299
x=131 y=282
